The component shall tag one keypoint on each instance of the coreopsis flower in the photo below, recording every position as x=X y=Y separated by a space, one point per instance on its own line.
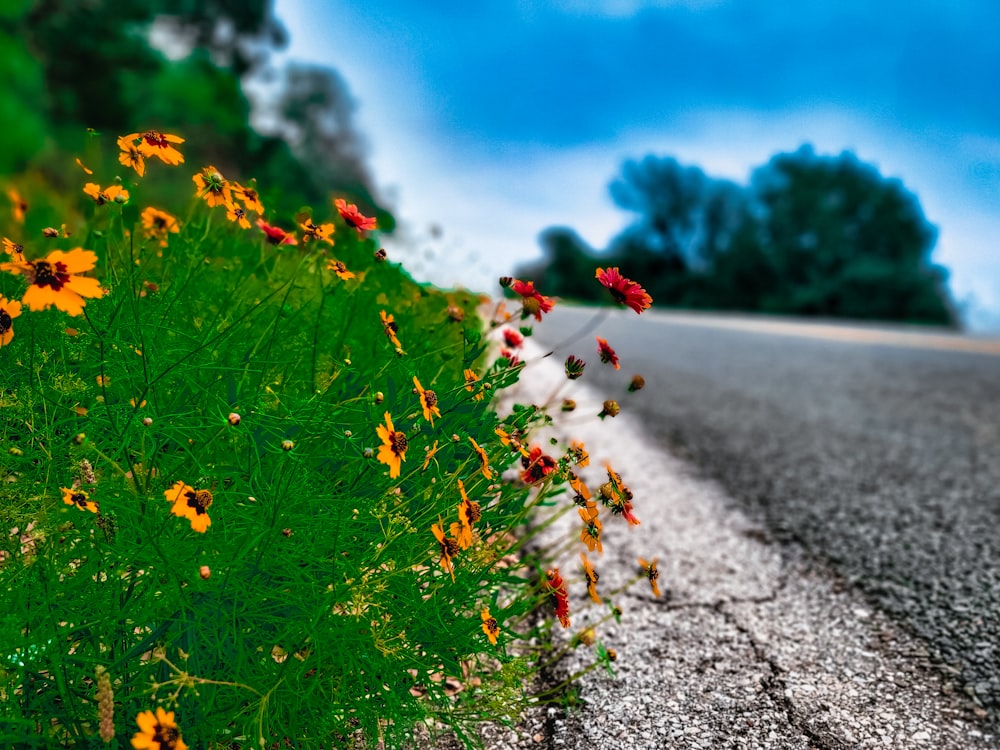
x=532 y=301
x=155 y=143
x=470 y=384
x=591 y=533
x=536 y=465
x=53 y=281
x=319 y=232
x=276 y=235
x=606 y=353
x=248 y=196
x=582 y=496
x=18 y=206
x=574 y=367
x=512 y=440
x=560 y=599
x=429 y=453
x=78 y=498
x=649 y=567
x=484 y=460
x=192 y=504
x=157 y=731
x=158 y=225
x=512 y=338
x=636 y=384
x=618 y=497
x=428 y=401
x=111 y=193
x=447 y=547
x=578 y=453
x=490 y=626
x=393 y=449
x=469 y=514
x=14 y=249
x=237 y=214
x=390 y=327
x=338 y=267
x=130 y=155
x=625 y=291
x=592 y=578
x=354 y=218
x=9 y=309
x=213 y=187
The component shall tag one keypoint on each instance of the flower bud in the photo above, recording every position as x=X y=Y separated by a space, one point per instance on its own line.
x=234 y=419
x=611 y=409
x=147 y=421
x=205 y=572
x=506 y=281
x=380 y=255
x=568 y=404
x=287 y=445
x=574 y=367
x=379 y=397
x=637 y=384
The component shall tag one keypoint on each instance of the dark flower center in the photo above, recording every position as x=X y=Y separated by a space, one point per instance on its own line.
x=492 y=626
x=449 y=547
x=200 y=500
x=166 y=736
x=472 y=512
x=154 y=138
x=430 y=399
x=653 y=574
x=49 y=274
x=79 y=499
x=239 y=212
x=159 y=222
x=5 y=322
x=618 y=294
x=391 y=326
x=397 y=441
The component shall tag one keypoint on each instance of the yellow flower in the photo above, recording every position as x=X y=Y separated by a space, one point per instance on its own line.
x=483 y=458
x=469 y=513
x=191 y=504
x=212 y=186
x=393 y=449
x=9 y=309
x=18 y=205
x=340 y=269
x=237 y=214
x=53 y=281
x=391 y=328
x=592 y=578
x=578 y=453
x=319 y=232
x=249 y=197
x=447 y=546
x=470 y=384
x=79 y=498
x=14 y=250
x=157 y=731
x=649 y=568
x=130 y=155
x=428 y=401
x=111 y=193
x=490 y=626
x=155 y=143
x=591 y=534
x=157 y=224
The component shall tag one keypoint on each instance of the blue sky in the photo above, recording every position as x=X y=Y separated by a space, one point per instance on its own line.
x=495 y=120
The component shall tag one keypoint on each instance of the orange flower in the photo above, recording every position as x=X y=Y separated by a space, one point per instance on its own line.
x=470 y=384
x=428 y=401
x=591 y=533
x=9 y=309
x=532 y=301
x=18 y=205
x=428 y=455
x=112 y=193
x=483 y=458
x=237 y=214
x=14 y=250
x=276 y=235
x=511 y=440
x=447 y=546
x=625 y=291
x=469 y=513
x=157 y=731
x=320 y=232
x=212 y=186
x=652 y=574
x=393 y=449
x=84 y=167
x=537 y=466
x=490 y=626
x=353 y=217
x=606 y=353
x=78 y=498
x=157 y=225
x=592 y=578
x=617 y=496
x=52 y=281
x=391 y=328
x=560 y=599
x=191 y=504
x=340 y=269
x=248 y=196
x=130 y=155
x=155 y=143
x=578 y=453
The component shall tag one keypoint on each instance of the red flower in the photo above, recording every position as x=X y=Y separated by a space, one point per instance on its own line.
x=276 y=235
x=512 y=359
x=625 y=291
x=354 y=218
x=537 y=466
x=560 y=599
x=606 y=353
x=532 y=301
x=512 y=337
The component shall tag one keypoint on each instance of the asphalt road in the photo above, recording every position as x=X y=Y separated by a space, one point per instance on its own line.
x=876 y=451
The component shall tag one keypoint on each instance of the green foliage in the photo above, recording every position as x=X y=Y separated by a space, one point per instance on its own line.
x=812 y=235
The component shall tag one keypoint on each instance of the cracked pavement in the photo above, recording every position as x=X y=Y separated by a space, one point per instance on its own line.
x=752 y=645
